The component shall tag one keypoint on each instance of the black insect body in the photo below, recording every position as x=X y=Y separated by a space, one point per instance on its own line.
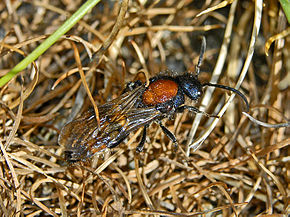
x=138 y=106
x=167 y=95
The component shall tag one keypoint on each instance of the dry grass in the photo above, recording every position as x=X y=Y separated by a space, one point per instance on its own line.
x=241 y=169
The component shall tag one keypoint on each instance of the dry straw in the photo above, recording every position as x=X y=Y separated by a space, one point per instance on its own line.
x=237 y=165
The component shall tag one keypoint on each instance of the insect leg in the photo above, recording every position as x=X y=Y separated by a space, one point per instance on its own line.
x=132 y=85
x=195 y=110
x=169 y=134
x=140 y=146
x=116 y=141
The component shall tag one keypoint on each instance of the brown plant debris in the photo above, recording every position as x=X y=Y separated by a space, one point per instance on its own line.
x=238 y=169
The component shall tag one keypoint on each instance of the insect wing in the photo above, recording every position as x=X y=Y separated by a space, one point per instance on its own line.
x=118 y=130
x=82 y=137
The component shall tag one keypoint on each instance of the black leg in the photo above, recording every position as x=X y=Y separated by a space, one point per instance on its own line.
x=140 y=146
x=169 y=134
x=195 y=110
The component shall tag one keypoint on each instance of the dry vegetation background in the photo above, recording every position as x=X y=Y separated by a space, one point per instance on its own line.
x=241 y=169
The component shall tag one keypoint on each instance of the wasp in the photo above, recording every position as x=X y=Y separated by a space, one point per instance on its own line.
x=137 y=107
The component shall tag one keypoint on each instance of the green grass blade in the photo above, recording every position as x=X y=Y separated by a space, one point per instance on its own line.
x=49 y=41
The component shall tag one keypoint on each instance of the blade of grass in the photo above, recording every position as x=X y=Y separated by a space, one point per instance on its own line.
x=286 y=8
x=49 y=41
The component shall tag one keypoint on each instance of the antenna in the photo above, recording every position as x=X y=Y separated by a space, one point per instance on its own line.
x=231 y=89
x=202 y=51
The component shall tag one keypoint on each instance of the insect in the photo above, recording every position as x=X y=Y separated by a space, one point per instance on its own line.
x=137 y=107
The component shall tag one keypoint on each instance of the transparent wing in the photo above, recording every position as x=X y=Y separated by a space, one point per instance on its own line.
x=82 y=137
